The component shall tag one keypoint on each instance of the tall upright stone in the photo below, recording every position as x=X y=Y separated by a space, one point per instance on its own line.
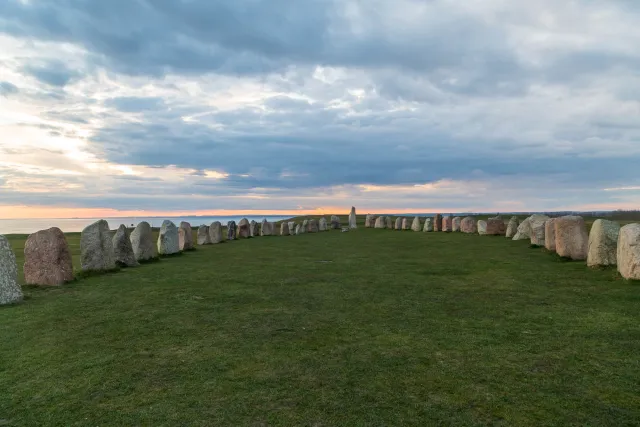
x=254 y=226
x=313 y=226
x=398 y=224
x=628 y=253
x=244 y=229
x=380 y=222
x=428 y=225
x=437 y=222
x=496 y=227
x=447 y=223
x=469 y=225
x=369 y=221
x=455 y=224
x=415 y=225
x=305 y=225
x=122 y=248
x=267 y=228
x=144 y=248
x=406 y=224
x=203 y=237
x=335 y=222
x=232 y=230
x=96 y=248
x=168 y=239
x=10 y=290
x=299 y=229
x=550 y=234
x=185 y=237
x=352 y=218
x=284 y=228
x=524 y=230
x=572 y=239
x=388 y=222
x=536 y=228
x=215 y=233
x=292 y=228
x=322 y=224
x=482 y=227
x=47 y=259
x=512 y=227
x=603 y=243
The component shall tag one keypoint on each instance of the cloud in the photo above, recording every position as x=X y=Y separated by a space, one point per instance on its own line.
x=7 y=89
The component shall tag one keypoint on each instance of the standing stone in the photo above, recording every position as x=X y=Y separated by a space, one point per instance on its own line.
x=185 y=237
x=388 y=222
x=456 y=224
x=536 y=229
x=335 y=222
x=10 y=290
x=405 y=224
x=122 y=248
x=380 y=222
x=512 y=228
x=168 y=240
x=322 y=224
x=369 y=221
x=437 y=222
x=415 y=225
x=428 y=225
x=96 y=248
x=603 y=243
x=628 y=253
x=267 y=228
x=524 y=230
x=215 y=233
x=352 y=218
x=447 y=224
x=47 y=259
x=292 y=228
x=482 y=227
x=469 y=225
x=203 y=235
x=305 y=225
x=284 y=228
x=299 y=229
x=550 y=235
x=398 y=225
x=232 y=230
x=244 y=229
x=144 y=248
x=313 y=226
x=572 y=240
x=496 y=227
x=254 y=226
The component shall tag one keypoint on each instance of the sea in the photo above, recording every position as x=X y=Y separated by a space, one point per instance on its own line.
x=70 y=225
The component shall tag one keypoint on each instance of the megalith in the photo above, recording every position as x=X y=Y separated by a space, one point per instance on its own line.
x=352 y=218
x=244 y=229
x=185 y=237
x=144 y=248
x=215 y=233
x=168 y=240
x=10 y=290
x=123 y=249
x=603 y=243
x=47 y=259
x=628 y=253
x=96 y=248
x=572 y=239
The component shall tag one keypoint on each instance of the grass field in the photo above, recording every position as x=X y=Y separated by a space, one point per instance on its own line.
x=366 y=328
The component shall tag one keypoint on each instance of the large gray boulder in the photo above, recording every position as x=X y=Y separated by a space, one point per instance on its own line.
x=305 y=225
x=335 y=222
x=215 y=233
x=122 y=248
x=482 y=227
x=628 y=253
x=47 y=258
x=299 y=229
x=254 y=226
x=415 y=225
x=524 y=230
x=380 y=222
x=232 y=230
x=572 y=239
x=10 y=290
x=353 y=223
x=603 y=243
x=455 y=224
x=406 y=224
x=322 y=224
x=244 y=229
x=398 y=224
x=168 y=240
x=512 y=227
x=496 y=226
x=388 y=222
x=312 y=226
x=469 y=225
x=144 y=248
x=447 y=223
x=292 y=228
x=203 y=237
x=369 y=221
x=267 y=228
x=437 y=222
x=96 y=248
x=428 y=225
x=185 y=237
x=550 y=234
x=284 y=228
x=536 y=229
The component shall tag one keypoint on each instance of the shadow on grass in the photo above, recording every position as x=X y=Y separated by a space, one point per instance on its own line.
x=94 y=273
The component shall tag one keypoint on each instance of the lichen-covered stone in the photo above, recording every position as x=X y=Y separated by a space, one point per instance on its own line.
x=203 y=237
x=185 y=237
x=572 y=239
x=352 y=218
x=536 y=229
x=312 y=227
x=388 y=222
x=398 y=224
x=123 y=249
x=10 y=290
x=244 y=229
x=369 y=221
x=428 y=225
x=335 y=222
x=215 y=233
x=144 y=248
x=469 y=225
x=380 y=222
x=96 y=248
x=550 y=234
x=437 y=222
x=254 y=226
x=47 y=259
x=482 y=227
x=232 y=230
x=415 y=225
x=447 y=223
x=628 y=253
x=496 y=227
x=322 y=224
x=603 y=243
x=284 y=228
x=169 y=239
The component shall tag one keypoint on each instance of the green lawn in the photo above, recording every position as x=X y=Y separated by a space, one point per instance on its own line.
x=366 y=328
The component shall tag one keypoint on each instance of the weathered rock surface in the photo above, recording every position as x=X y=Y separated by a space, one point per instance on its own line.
x=572 y=239
x=335 y=222
x=292 y=228
x=244 y=229
x=322 y=224
x=123 y=249
x=455 y=224
x=482 y=227
x=550 y=234
x=437 y=222
x=47 y=259
x=254 y=227
x=284 y=228
x=185 y=237
x=312 y=226
x=406 y=224
x=203 y=235
x=398 y=224
x=144 y=248
x=536 y=229
x=380 y=222
x=305 y=226
x=353 y=223
x=388 y=222
x=428 y=225
x=232 y=230
x=415 y=225
x=469 y=225
x=96 y=248
x=628 y=252
x=299 y=229
x=267 y=228
x=603 y=243
x=10 y=290
x=524 y=230
x=512 y=227
x=215 y=232
x=496 y=227
x=168 y=240
x=447 y=223
x=369 y=221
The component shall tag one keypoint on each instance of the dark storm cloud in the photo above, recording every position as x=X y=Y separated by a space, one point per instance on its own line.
x=54 y=73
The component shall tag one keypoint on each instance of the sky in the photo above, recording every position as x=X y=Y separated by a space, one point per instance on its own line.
x=133 y=107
